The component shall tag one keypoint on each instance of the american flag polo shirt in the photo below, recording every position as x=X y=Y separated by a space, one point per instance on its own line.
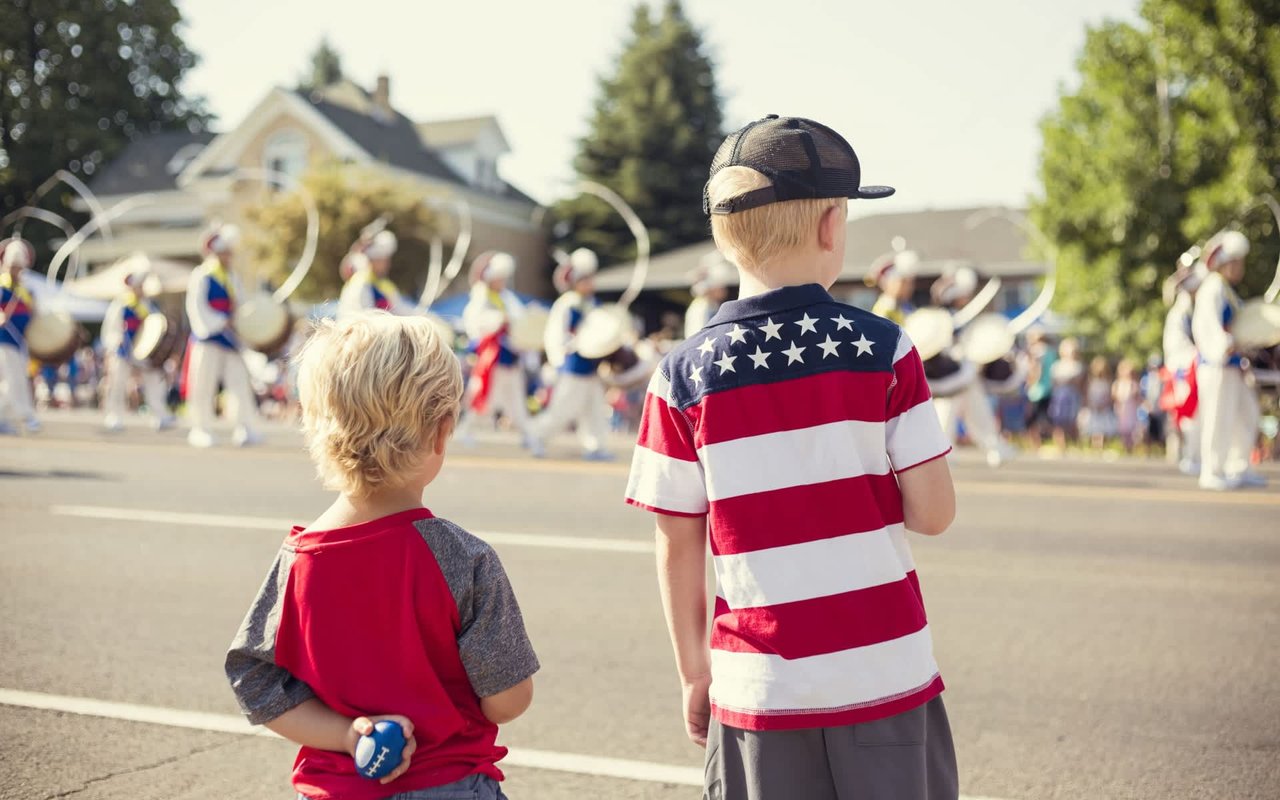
x=785 y=421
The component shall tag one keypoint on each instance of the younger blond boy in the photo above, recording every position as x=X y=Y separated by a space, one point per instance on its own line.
x=796 y=433
x=379 y=609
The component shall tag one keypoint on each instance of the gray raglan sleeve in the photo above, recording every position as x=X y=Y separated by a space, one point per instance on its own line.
x=492 y=639
x=264 y=689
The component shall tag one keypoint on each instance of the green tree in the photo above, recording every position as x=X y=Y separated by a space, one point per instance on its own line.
x=78 y=80
x=345 y=198
x=657 y=122
x=1171 y=135
x=325 y=68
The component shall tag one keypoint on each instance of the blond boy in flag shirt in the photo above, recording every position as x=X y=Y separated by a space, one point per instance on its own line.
x=797 y=436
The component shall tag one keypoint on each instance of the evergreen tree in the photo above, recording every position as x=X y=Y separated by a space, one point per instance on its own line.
x=325 y=68
x=1171 y=136
x=78 y=80
x=657 y=122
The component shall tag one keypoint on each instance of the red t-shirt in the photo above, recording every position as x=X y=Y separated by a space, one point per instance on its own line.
x=408 y=615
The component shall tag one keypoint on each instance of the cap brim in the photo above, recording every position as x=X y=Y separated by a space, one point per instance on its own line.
x=874 y=192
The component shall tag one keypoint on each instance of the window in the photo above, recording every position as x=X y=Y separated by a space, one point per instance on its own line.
x=286 y=153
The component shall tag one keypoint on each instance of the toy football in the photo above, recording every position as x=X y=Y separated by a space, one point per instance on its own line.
x=378 y=753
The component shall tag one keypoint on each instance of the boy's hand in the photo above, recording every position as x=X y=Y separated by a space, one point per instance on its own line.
x=361 y=726
x=697 y=708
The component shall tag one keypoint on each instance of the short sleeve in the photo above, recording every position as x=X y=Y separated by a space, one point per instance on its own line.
x=263 y=689
x=493 y=643
x=913 y=435
x=666 y=476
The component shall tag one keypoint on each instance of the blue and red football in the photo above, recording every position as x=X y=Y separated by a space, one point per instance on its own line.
x=378 y=753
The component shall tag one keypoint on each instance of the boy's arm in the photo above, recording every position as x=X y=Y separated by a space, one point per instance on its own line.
x=928 y=497
x=492 y=641
x=917 y=446
x=682 y=580
x=314 y=724
x=263 y=688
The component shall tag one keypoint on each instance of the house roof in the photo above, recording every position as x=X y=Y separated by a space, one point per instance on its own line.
x=940 y=237
x=390 y=139
x=147 y=164
x=395 y=139
x=445 y=133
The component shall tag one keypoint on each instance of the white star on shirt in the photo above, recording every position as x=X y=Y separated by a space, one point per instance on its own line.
x=760 y=357
x=807 y=324
x=829 y=346
x=707 y=348
x=842 y=323
x=793 y=354
x=770 y=329
x=726 y=363
x=696 y=375
x=737 y=335
x=863 y=345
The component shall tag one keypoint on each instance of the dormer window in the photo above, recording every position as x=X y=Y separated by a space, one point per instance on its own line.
x=286 y=153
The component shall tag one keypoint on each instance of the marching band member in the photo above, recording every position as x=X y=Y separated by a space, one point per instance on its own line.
x=895 y=275
x=119 y=328
x=123 y=319
x=497 y=381
x=1179 y=397
x=16 y=309
x=711 y=289
x=213 y=354
x=1228 y=406
x=578 y=396
x=952 y=291
x=369 y=263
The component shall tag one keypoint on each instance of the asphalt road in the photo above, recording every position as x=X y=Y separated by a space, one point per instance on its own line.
x=1104 y=629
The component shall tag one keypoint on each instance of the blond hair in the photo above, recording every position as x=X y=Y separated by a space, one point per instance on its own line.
x=377 y=391
x=752 y=238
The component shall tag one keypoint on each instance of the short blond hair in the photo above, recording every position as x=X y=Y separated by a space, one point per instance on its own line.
x=376 y=391
x=754 y=237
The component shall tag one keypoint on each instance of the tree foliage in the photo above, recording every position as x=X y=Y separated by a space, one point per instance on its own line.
x=79 y=79
x=657 y=122
x=347 y=199
x=1172 y=135
x=325 y=68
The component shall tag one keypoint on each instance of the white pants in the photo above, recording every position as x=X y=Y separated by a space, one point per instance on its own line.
x=1191 y=439
x=209 y=364
x=1229 y=417
x=974 y=408
x=576 y=399
x=16 y=400
x=154 y=391
x=507 y=395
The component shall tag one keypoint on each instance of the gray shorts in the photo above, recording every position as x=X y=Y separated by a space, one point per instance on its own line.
x=472 y=787
x=909 y=756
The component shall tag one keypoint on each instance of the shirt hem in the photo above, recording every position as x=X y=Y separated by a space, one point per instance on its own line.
x=943 y=454
x=666 y=512
x=798 y=719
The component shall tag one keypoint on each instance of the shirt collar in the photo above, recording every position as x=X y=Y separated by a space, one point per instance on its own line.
x=772 y=302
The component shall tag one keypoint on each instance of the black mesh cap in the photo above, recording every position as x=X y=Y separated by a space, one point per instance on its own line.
x=803 y=159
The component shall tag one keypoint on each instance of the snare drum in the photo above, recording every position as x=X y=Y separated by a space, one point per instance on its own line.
x=263 y=324
x=1004 y=376
x=947 y=377
x=158 y=339
x=53 y=337
x=529 y=330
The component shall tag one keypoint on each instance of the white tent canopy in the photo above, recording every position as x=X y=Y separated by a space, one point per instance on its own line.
x=168 y=277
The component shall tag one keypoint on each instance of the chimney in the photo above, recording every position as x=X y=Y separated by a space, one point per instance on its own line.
x=382 y=98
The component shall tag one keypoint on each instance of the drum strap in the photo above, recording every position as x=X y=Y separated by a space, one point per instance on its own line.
x=24 y=296
x=488 y=351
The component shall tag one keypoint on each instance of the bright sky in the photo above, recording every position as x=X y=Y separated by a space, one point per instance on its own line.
x=940 y=98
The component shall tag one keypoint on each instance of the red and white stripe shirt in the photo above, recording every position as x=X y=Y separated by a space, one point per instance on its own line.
x=785 y=422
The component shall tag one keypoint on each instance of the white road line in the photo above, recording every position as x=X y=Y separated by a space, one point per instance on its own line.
x=282 y=525
x=577 y=763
